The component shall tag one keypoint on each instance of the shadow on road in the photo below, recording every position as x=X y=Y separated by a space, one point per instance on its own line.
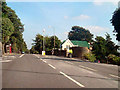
x=58 y=74
x=64 y=59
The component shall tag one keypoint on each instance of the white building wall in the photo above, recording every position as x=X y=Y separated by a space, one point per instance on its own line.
x=67 y=42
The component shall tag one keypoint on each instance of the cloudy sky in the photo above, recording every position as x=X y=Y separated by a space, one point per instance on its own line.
x=36 y=16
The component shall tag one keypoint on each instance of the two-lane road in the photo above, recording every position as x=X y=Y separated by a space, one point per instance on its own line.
x=35 y=71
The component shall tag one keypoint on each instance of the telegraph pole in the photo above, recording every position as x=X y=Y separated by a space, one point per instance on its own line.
x=43 y=52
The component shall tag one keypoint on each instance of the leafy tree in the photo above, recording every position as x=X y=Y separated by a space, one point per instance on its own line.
x=116 y=23
x=80 y=34
x=38 y=42
x=111 y=48
x=99 y=48
x=7 y=30
x=48 y=42
x=103 y=47
x=57 y=42
x=16 y=36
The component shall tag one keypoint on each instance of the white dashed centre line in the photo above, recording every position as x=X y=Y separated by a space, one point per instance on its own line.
x=79 y=84
x=22 y=55
x=52 y=66
x=87 y=68
x=114 y=76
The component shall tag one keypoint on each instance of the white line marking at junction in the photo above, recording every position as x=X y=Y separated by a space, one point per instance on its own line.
x=52 y=66
x=36 y=55
x=72 y=79
x=114 y=76
x=87 y=68
x=44 y=61
x=69 y=62
x=5 y=61
x=22 y=55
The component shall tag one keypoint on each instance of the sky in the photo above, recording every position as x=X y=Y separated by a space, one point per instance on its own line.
x=61 y=16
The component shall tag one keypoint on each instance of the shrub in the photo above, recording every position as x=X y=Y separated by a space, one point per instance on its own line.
x=91 y=57
x=114 y=59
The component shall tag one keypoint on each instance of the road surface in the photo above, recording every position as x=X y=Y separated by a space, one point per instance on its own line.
x=36 y=71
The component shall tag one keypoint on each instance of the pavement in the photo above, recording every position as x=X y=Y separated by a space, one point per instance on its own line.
x=36 y=71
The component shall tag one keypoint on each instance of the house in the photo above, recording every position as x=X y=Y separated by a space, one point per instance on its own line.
x=79 y=47
x=67 y=44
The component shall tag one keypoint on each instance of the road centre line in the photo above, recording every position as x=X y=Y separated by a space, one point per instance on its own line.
x=22 y=55
x=87 y=68
x=52 y=66
x=114 y=76
x=79 y=84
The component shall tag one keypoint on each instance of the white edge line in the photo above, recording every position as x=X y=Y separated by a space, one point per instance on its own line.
x=87 y=68
x=52 y=66
x=69 y=62
x=44 y=61
x=22 y=55
x=114 y=76
x=72 y=79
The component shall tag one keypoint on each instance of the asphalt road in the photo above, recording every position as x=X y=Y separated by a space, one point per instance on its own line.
x=36 y=71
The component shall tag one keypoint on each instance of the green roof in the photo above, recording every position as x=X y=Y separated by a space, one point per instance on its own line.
x=81 y=43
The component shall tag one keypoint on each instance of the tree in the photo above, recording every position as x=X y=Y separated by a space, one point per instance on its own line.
x=7 y=30
x=99 y=48
x=48 y=42
x=16 y=36
x=38 y=42
x=57 y=42
x=80 y=34
x=103 y=47
x=116 y=23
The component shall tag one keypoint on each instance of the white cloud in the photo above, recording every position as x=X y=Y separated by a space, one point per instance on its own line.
x=81 y=17
x=98 y=3
x=65 y=17
x=101 y=2
x=97 y=29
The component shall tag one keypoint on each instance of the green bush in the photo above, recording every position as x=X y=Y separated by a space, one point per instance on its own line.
x=89 y=56
x=114 y=59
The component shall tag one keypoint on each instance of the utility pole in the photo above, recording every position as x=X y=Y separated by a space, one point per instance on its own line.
x=54 y=37
x=43 y=52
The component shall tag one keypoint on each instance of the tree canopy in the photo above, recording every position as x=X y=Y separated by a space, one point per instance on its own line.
x=116 y=23
x=103 y=47
x=48 y=42
x=80 y=34
x=12 y=29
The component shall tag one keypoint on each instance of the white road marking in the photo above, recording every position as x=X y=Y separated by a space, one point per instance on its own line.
x=52 y=66
x=5 y=61
x=69 y=62
x=22 y=55
x=114 y=76
x=44 y=61
x=36 y=55
x=87 y=68
x=41 y=59
x=72 y=79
